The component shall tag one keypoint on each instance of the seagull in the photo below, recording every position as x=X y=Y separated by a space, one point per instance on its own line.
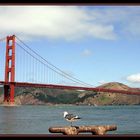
x=70 y=117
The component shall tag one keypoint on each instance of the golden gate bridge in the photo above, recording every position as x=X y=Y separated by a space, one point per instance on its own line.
x=21 y=66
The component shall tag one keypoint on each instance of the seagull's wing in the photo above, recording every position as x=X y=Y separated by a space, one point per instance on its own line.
x=71 y=116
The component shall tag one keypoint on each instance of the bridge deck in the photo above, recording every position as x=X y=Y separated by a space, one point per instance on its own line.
x=21 y=84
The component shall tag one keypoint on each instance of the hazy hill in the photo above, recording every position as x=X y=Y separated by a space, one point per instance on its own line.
x=115 y=85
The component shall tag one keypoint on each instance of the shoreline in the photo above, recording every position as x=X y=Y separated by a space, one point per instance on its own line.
x=49 y=104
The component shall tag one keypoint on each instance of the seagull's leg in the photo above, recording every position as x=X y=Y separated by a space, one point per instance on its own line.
x=71 y=124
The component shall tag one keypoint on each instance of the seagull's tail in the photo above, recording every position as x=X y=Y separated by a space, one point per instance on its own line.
x=78 y=117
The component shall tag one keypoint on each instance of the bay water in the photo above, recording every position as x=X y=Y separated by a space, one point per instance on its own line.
x=36 y=119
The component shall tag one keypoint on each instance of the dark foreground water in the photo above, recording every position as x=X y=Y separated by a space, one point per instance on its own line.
x=35 y=119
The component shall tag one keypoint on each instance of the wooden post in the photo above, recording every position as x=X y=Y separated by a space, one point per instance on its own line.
x=75 y=130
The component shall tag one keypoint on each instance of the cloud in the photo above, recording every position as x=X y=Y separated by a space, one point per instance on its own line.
x=70 y=22
x=86 y=53
x=53 y=22
x=124 y=19
x=134 y=78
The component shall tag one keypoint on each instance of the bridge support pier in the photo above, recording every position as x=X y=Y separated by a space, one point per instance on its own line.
x=9 y=86
x=9 y=91
x=6 y=93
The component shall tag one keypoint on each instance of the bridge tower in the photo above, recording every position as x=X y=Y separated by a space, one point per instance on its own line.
x=9 y=86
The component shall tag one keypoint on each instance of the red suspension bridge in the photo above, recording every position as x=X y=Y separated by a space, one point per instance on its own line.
x=24 y=67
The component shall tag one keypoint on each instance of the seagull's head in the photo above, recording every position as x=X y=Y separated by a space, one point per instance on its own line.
x=65 y=113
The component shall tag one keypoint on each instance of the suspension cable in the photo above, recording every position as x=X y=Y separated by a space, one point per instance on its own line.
x=81 y=82
x=47 y=65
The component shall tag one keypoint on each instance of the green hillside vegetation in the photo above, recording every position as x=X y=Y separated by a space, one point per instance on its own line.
x=104 y=99
x=56 y=96
x=1 y=90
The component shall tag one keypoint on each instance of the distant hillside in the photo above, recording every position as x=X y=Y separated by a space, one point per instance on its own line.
x=115 y=85
x=59 y=96
x=115 y=98
x=119 y=86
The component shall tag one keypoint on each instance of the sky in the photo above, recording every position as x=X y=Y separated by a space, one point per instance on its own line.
x=96 y=44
